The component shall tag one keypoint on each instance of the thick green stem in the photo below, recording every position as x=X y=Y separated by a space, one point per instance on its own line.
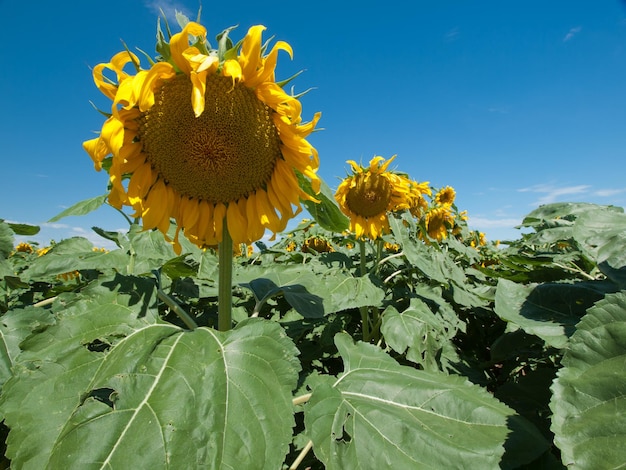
x=362 y=253
x=365 y=320
x=225 y=280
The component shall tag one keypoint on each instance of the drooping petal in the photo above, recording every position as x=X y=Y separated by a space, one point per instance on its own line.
x=232 y=69
x=179 y=43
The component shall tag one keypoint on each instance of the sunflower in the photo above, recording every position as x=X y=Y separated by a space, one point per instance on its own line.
x=317 y=245
x=418 y=204
x=445 y=196
x=438 y=220
x=43 y=251
x=204 y=137
x=24 y=247
x=370 y=193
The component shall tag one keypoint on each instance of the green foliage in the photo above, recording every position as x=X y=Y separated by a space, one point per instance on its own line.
x=81 y=208
x=408 y=418
x=429 y=354
x=589 y=401
x=326 y=211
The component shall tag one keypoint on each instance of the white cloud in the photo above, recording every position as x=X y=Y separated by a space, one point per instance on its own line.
x=169 y=7
x=484 y=223
x=571 y=33
x=55 y=226
x=552 y=193
x=608 y=192
x=452 y=35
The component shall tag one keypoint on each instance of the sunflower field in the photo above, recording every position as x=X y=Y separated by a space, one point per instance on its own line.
x=381 y=332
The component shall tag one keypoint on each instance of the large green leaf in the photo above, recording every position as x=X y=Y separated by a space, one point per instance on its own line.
x=313 y=290
x=24 y=229
x=306 y=304
x=419 y=332
x=602 y=234
x=549 y=310
x=561 y=214
x=16 y=325
x=379 y=414
x=72 y=254
x=6 y=240
x=81 y=208
x=589 y=394
x=106 y=387
x=432 y=262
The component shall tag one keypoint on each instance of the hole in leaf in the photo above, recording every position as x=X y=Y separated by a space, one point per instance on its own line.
x=108 y=396
x=98 y=345
x=345 y=435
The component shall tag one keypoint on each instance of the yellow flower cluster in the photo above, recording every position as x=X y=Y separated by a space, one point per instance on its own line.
x=440 y=218
x=369 y=194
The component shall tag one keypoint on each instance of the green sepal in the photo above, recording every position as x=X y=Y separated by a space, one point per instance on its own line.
x=181 y=19
x=225 y=49
x=162 y=46
x=232 y=52
x=282 y=83
x=147 y=56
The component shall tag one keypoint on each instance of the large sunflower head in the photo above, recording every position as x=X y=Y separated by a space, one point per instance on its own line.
x=370 y=193
x=204 y=136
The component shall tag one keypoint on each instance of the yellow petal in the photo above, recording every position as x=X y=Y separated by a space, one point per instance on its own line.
x=236 y=223
x=250 y=55
x=266 y=211
x=117 y=64
x=231 y=68
x=198 y=81
x=203 y=227
x=145 y=88
x=97 y=150
x=153 y=209
x=248 y=207
x=219 y=213
x=140 y=182
x=113 y=134
x=179 y=43
x=269 y=65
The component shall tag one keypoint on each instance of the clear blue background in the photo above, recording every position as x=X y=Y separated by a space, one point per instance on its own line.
x=513 y=103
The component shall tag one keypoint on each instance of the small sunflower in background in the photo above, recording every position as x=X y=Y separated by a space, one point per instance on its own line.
x=43 y=251
x=24 y=247
x=205 y=136
x=440 y=216
x=445 y=196
x=317 y=245
x=438 y=221
x=370 y=193
x=419 y=205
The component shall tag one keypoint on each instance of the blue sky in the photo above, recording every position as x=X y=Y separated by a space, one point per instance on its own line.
x=513 y=103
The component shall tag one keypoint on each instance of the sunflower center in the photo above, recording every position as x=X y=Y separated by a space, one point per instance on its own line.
x=226 y=153
x=369 y=196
